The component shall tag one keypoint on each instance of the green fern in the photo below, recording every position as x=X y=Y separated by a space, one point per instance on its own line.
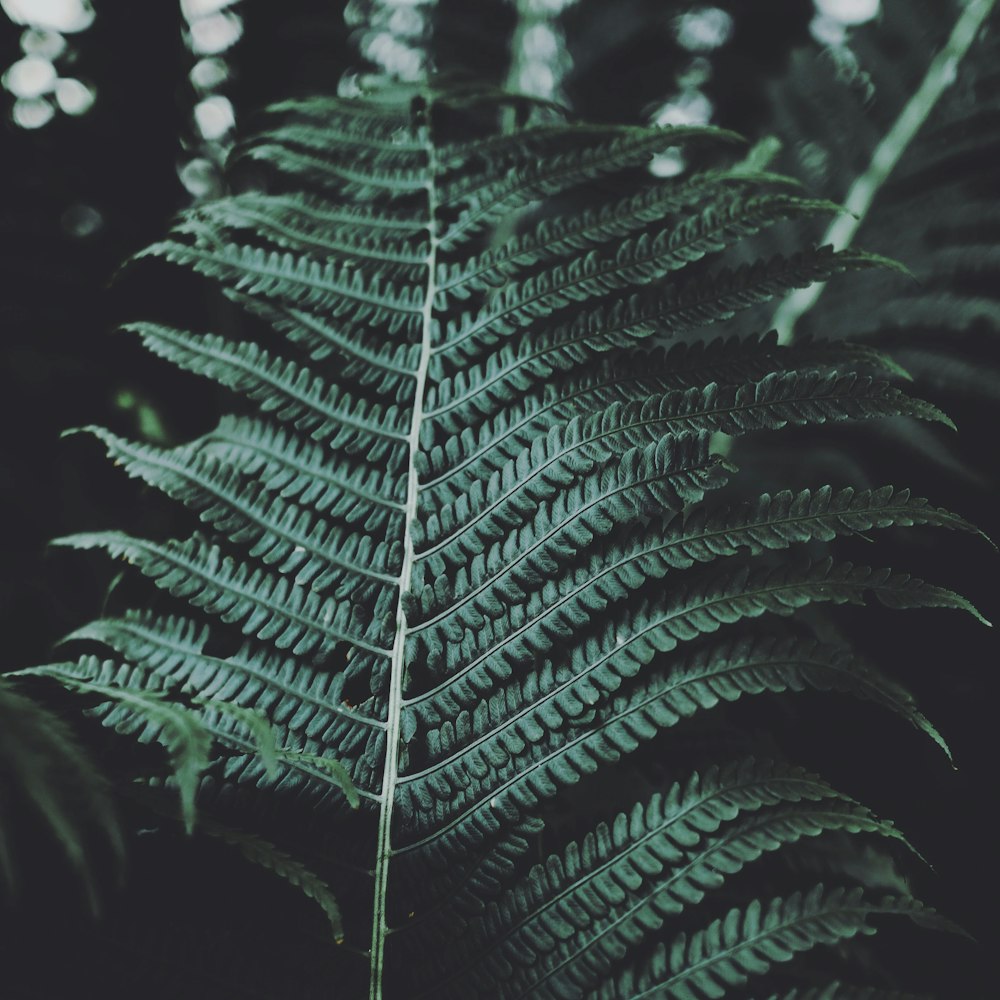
x=466 y=558
x=46 y=775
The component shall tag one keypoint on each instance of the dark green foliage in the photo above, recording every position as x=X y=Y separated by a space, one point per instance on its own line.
x=938 y=208
x=47 y=777
x=466 y=551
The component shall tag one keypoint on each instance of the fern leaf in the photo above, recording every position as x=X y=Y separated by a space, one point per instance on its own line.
x=772 y=403
x=42 y=762
x=371 y=178
x=178 y=729
x=564 y=235
x=265 y=854
x=287 y=277
x=671 y=309
x=771 y=523
x=568 y=921
x=464 y=560
x=332 y=768
x=376 y=124
x=295 y=469
x=635 y=259
x=278 y=532
x=265 y=604
x=510 y=427
x=731 y=951
x=702 y=607
x=282 y=387
x=374 y=363
x=484 y=200
x=304 y=707
x=609 y=705
x=314 y=226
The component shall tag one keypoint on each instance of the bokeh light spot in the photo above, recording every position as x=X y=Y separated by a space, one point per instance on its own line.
x=704 y=29
x=74 y=96
x=215 y=33
x=81 y=221
x=406 y=21
x=827 y=31
x=696 y=74
x=47 y=44
x=689 y=108
x=206 y=74
x=31 y=76
x=815 y=161
x=32 y=112
x=200 y=177
x=214 y=116
x=396 y=57
x=53 y=15
x=849 y=11
x=669 y=163
x=537 y=78
x=547 y=8
x=540 y=42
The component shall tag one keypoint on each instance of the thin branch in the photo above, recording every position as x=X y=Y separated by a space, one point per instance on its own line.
x=941 y=73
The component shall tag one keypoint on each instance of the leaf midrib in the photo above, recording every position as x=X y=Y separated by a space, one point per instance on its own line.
x=394 y=713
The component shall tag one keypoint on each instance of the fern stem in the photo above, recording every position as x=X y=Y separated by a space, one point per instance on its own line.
x=395 y=700
x=940 y=75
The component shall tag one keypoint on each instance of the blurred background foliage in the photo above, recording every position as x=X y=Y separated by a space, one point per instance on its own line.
x=116 y=114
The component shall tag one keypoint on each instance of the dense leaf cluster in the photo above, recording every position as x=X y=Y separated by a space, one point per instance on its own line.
x=466 y=546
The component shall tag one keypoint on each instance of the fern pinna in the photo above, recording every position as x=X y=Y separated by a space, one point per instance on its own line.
x=467 y=554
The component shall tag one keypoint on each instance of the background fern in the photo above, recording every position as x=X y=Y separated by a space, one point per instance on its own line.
x=592 y=703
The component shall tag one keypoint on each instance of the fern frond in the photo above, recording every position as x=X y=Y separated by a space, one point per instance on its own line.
x=512 y=426
x=566 y=923
x=280 y=533
x=563 y=235
x=579 y=725
x=264 y=604
x=776 y=401
x=483 y=200
x=296 y=469
x=338 y=290
x=260 y=852
x=465 y=559
x=375 y=364
x=310 y=225
x=368 y=178
x=651 y=554
x=375 y=124
x=145 y=711
x=635 y=258
x=305 y=707
x=42 y=763
x=701 y=607
x=628 y=321
x=286 y=389
x=580 y=719
x=744 y=944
